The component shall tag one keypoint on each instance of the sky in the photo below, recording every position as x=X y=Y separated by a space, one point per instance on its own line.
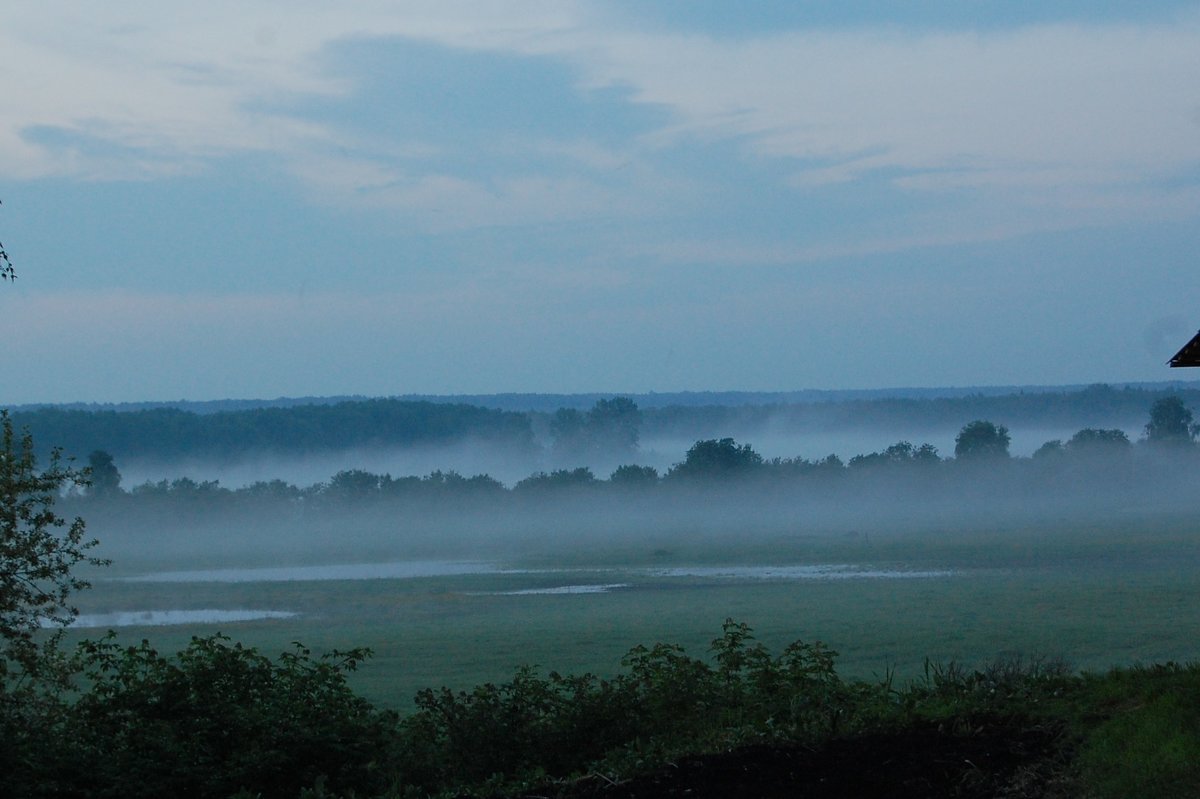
x=262 y=199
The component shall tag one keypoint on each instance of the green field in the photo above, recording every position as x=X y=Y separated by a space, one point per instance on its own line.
x=1119 y=592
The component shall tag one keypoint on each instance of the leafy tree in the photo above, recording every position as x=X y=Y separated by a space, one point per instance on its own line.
x=1092 y=441
x=610 y=428
x=717 y=458
x=1170 y=422
x=902 y=453
x=103 y=474
x=557 y=479
x=1050 y=450
x=38 y=553
x=630 y=476
x=353 y=485
x=981 y=440
x=568 y=429
x=219 y=717
x=614 y=424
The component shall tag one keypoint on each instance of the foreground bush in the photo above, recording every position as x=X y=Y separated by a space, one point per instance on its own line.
x=215 y=718
x=220 y=720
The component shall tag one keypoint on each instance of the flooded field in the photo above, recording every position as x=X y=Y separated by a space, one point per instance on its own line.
x=1094 y=595
x=161 y=618
x=410 y=570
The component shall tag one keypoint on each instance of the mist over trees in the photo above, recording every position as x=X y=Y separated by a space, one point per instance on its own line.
x=1170 y=423
x=170 y=434
x=1095 y=468
x=607 y=434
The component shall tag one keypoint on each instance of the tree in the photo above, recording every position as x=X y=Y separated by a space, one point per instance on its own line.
x=981 y=440
x=1105 y=443
x=1051 y=450
x=6 y=268
x=38 y=553
x=614 y=424
x=103 y=474
x=610 y=428
x=631 y=475
x=717 y=458
x=567 y=426
x=1170 y=422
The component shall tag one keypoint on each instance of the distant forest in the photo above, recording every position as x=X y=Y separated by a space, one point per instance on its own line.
x=1101 y=466
x=167 y=434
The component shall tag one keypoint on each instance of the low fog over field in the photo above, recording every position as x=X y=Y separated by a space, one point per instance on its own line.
x=370 y=480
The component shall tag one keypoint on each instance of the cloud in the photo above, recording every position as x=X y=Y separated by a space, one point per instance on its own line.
x=1043 y=116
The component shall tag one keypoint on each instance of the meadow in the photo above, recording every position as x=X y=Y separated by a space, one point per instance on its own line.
x=1114 y=589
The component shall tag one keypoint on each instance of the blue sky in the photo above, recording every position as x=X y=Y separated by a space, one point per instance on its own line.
x=262 y=199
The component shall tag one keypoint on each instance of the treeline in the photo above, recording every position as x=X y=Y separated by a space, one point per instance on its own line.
x=171 y=434
x=611 y=428
x=1099 y=405
x=981 y=457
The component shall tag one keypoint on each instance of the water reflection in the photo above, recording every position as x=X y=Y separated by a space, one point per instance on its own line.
x=157 y=618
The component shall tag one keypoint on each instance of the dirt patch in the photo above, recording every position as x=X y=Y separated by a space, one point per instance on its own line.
x=984 y=761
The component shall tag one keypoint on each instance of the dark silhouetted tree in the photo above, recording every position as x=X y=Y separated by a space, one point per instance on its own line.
x=568 y=432
x=557 y=480
x=610 y=429
x=717 y=458
x=103 y=475
x=981 y=440
x=38 y=553
x=1049 y=451
x=614 y=424
x=6 y=268
x=632 y=476
x=1104 y=443
x=1170 y=423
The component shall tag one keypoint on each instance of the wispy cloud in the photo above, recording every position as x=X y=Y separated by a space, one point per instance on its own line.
x=1044 y=114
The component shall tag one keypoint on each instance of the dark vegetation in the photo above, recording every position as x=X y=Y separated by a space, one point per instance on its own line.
x=609 y=426
x=220 y=720
x=1097 y=467
x=171 y=434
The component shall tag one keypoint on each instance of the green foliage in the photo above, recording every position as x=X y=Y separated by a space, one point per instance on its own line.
x=1139 y=731
x=664 y=702
x=219 y=717
x=38 y=553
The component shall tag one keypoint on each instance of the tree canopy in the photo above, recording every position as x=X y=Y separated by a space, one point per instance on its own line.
x=1170 y=422
x=717 y=458
x=981 y=440
x=38 y=552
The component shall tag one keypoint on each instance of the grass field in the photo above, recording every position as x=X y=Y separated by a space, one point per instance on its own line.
x=1115 y=591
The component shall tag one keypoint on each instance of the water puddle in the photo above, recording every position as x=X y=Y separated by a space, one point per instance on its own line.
x=833 y=571
x=413 y=569
x=558 y=589
x=159 y=618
